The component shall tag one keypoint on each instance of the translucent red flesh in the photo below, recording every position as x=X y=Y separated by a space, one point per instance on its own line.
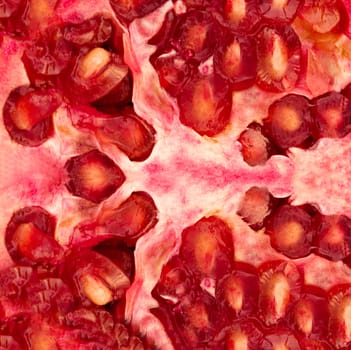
x=182 y=201
x=205 y=105
x=28 y=115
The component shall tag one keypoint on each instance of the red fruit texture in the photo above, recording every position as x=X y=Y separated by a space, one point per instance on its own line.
x=174 y=175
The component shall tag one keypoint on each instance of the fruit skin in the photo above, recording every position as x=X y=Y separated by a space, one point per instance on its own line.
x=187 y=186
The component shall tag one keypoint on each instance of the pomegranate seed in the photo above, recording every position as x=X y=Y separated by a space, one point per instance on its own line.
x=33 y=244
x=131 y=134
x=196 y=35
x=118 y=97
x=333 y=237
x=173 y=71
x=119 y=254
x=205 y=105
x=28 y=115
x=47 y=58
x=332 y=115
x=239 y=292
x=96 y=74
x=207 y=247
x=339 y=324
x=324 y=16
x=279 y=54
x=127 y=10
x=236 y=61
x=175 y=282
x=241 y=334
x=93 y=31
x=93 y=176
x=255 y=147
x=197 y=318
x=280 y=339
x=289 y=122
x=279 y=11
x=240 y=15
x=29 y=237
x=130 y=220
x=291 y=230
x=310 y=314
x=255 y=206
x=280 y=286
x=95 y=276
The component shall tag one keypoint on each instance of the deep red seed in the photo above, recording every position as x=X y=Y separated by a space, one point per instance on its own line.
x=255 y=146
x=237 y=292
x=205 y=105
x=291 y=230
x=28 y=115
x=93 y=176
x=280 y=287
x=289 y=122
x=173 y=72
x=29 y=236
x=255 y=206
x=235 y=60
x=279 y=58
x=196 y=35
x=127 y=222
x=207 y=247
x=331 y=114
x=310 y=314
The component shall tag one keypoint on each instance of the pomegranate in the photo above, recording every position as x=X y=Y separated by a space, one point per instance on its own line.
x=175 y=174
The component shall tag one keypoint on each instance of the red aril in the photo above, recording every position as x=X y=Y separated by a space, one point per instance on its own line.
x=195 y=35
x=207 y=247
x=130 y=220
x=256 y=148
x=289 y=121
x=255 y=206
x=205 y=105
x=239 y=292
x=310 y=314
x=173 y=71
x=93 y=176
x=291 y=230
x=339 y=327
x=240 y=15
x=236 y=61
x=280 y=287
x=28 y=115
x=331 y=113
x=279 y=58
x=332 y=238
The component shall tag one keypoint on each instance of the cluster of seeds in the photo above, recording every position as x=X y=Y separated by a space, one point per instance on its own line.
x=207 y=300
x=296 y=121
